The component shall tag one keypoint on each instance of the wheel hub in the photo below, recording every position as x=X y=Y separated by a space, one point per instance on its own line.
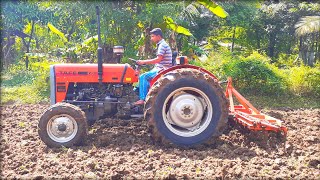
x=62 y=128
x=186 y=110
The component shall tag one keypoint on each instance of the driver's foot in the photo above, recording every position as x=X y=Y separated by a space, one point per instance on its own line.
x=140 y=102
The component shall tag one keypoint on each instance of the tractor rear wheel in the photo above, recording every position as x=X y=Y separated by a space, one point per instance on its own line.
x=63 y=124
x=186 y=107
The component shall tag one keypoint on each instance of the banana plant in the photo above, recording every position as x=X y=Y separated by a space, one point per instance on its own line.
x=175 y=27
x=210 y=5
x=57 y=31
x=214 y=8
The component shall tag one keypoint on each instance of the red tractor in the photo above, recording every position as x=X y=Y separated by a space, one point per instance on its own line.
x=185 y=104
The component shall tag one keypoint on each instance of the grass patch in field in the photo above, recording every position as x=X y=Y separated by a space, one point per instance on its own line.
x=26 y=94
x=294 y=102
x=19 y=85
x=18 y=79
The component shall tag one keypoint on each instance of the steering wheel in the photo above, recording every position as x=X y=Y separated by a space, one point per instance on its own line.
x=135 y=61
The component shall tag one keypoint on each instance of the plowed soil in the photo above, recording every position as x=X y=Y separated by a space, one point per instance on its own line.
x=118 y=149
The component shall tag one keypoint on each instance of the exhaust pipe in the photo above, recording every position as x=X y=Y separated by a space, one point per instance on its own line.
x=100 y=69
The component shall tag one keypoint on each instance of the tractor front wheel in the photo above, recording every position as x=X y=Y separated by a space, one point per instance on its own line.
x=186 y=107
x=63 y=124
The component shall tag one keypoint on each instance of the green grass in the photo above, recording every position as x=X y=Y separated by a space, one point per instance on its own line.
x=26 y=94
x=274 y=102
x=18 y=79
x=23 y=86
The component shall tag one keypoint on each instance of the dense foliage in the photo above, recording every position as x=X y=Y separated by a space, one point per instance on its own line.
x=268 y=47
x=254 y=75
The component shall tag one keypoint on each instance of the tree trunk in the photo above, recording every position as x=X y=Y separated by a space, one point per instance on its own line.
x=233 y=37
x=28 y=45
x=6 y=52
x=173 y=42
x=300 y=43
x=271 y=45
x=179 y=43
x=310 y=58
x=312 y=51
x=148 y=50
x=318 y=51
x=289 y=47
x=70 y=32
x=258 y=39
x=108 y=56
x=37 y=43
x=303 y=51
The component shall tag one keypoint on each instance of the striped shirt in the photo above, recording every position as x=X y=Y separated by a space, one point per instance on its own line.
x=164 y=50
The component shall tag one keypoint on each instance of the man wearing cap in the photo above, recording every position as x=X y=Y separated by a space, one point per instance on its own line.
x=161 y=62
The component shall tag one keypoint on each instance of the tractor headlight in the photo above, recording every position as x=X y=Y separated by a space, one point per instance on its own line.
x=118 y=50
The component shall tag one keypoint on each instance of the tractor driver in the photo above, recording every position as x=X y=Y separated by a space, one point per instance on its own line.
x=162 y=61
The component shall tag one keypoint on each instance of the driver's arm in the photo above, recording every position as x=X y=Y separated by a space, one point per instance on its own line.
x=151 y=61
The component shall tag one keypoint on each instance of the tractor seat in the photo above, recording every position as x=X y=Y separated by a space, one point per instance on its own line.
x=174 y=56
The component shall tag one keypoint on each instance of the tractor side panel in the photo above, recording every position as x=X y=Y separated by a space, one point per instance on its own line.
x=61 y=91
x=88 y=73
x=181 y=67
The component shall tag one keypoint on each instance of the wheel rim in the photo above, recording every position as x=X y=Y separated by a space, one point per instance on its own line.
x=62 y=128
x=187 y=111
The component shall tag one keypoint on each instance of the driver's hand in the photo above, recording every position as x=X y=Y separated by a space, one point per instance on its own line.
x=140 y=62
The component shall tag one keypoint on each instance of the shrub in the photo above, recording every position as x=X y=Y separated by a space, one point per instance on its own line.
x=304 y=80
x=215 y=61
x=21 y=94
x=26 y=86
x=255 y=75
x=41 y=82
x=19 y=78
x=287 y=60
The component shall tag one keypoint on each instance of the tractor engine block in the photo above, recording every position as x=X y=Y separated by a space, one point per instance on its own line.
x=101 y=101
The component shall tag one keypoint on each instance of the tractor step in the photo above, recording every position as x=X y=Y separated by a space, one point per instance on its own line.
x=248 y=116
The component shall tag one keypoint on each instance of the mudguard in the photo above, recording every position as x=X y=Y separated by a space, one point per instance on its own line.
x=161 y=73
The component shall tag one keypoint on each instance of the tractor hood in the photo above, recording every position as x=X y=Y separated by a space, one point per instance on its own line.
x=112 y=73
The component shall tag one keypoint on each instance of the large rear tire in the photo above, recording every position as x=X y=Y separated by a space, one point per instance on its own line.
x=186 y=107
x=63 y=124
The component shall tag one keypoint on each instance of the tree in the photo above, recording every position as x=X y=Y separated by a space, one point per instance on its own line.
x=241 y=16
x=308 y=29
x=308 y=25
x=19 y=19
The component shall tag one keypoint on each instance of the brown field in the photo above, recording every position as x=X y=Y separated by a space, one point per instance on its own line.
x=118 y=149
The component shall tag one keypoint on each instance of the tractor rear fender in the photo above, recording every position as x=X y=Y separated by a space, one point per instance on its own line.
x=161 y=73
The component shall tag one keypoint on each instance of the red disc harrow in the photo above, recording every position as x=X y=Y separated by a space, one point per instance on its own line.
x=248 y=116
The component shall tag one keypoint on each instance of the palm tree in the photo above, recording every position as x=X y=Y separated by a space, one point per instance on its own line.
x=308 y=30
x=307 y=25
